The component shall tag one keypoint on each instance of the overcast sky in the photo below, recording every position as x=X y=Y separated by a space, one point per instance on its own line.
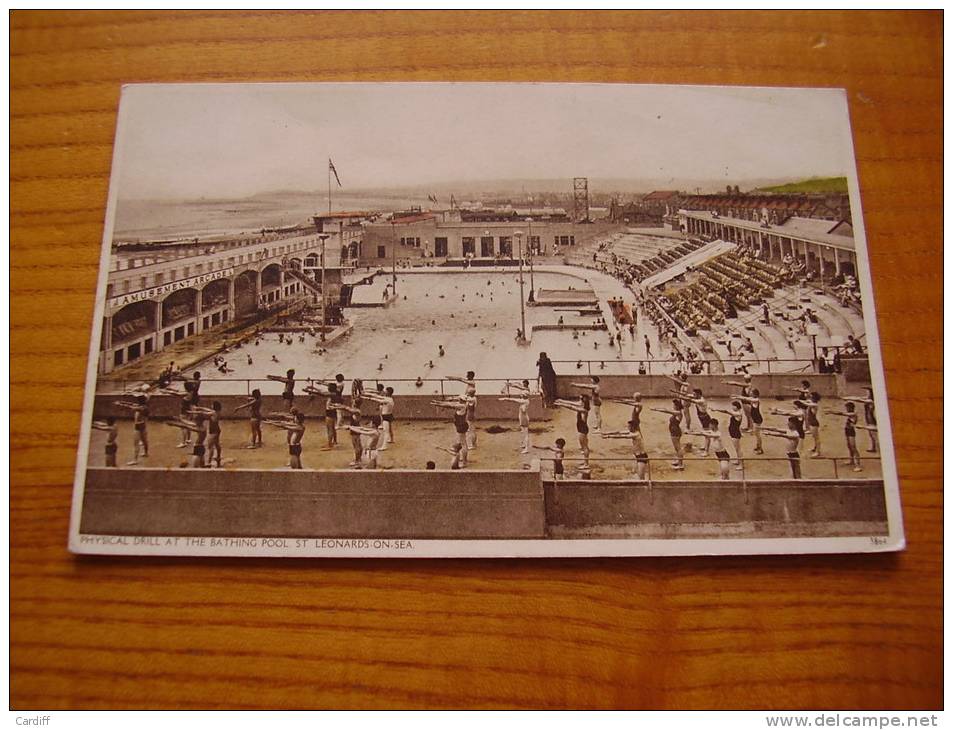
x=234 y=140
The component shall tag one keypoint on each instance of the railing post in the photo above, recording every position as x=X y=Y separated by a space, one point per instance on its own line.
x=744 y=480
x=834 y=462
x=648 y=474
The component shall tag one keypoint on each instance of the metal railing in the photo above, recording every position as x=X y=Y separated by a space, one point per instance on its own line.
x=590 y=367
x=744 y=474
x=802 y=363
x=445 y=386
x=159 y=252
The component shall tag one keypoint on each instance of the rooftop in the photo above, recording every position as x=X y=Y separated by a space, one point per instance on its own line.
x=415 y=218
x=828 y=239
x=344 y=214
x=809 y=225
x=661 y=195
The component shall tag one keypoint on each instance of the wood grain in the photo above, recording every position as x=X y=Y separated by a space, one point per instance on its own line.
x=838 y=631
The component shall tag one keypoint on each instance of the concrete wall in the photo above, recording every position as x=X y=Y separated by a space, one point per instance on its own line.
x=581 y=504
x=454 y=505
x=659 y=386
x=406 y=407
x=856 y=369
x=417 y=504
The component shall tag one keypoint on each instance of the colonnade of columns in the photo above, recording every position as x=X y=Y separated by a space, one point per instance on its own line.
x=773 y=246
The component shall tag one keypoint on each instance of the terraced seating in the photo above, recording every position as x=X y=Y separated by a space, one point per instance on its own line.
x=634 y=256
x=717 y=306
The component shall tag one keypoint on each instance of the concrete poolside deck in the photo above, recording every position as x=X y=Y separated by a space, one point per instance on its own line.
x=498 y=446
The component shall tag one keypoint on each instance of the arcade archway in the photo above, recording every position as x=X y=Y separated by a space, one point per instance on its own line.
x=178 y=306
x=246 y=293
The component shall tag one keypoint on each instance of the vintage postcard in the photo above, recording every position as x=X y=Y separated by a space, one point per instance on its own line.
x=417 y=320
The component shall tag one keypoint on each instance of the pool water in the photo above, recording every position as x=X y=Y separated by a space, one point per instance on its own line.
x=474 y=316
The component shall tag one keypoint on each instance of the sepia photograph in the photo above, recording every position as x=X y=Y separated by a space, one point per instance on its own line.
x=484 y=319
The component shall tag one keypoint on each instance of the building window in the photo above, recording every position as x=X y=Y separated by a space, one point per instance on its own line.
x=382 y=252
x=179 y=333
x=440 y=247
x=534 y=245
x=148 y=345
x=506 y=246
x=191 y=328
x=167 y=339
x=117 y=358
x=134 y=351
x=143 y=282
x=486 y=246
x=205 y=321
x=215 y=319
x=469 y=246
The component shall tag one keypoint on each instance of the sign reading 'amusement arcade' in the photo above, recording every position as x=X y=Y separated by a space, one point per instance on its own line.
x=159 y=291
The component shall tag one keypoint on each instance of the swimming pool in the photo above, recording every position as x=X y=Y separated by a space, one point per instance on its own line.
x=472 y=316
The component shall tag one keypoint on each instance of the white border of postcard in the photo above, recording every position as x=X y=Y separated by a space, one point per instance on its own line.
x=385 y=547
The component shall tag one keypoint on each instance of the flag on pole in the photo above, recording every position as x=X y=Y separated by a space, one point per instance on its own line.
x=331 y=168
x=432 y=198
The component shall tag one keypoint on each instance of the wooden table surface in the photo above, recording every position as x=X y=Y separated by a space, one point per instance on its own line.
x=762 y=632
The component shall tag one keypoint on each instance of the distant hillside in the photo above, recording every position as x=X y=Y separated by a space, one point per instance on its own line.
x=813 y=185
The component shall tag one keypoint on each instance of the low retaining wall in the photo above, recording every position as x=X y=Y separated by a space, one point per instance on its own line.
x=459 y=505
x=577 y=505
x=568 y=327
x=659 y=386
x=412 y=504
x=406 y=407
x=856 y=369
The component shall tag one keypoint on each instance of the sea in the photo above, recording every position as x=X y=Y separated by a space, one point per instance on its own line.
x=147 y=220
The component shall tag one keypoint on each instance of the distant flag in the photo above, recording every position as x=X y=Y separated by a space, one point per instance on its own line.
x=432 y=198
x=331 y=168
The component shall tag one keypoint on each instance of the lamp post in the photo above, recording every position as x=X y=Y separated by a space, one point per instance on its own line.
x=814 y=330
x=532 y=255
x=393 y=264
x=324 y=296
x=519 y=243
